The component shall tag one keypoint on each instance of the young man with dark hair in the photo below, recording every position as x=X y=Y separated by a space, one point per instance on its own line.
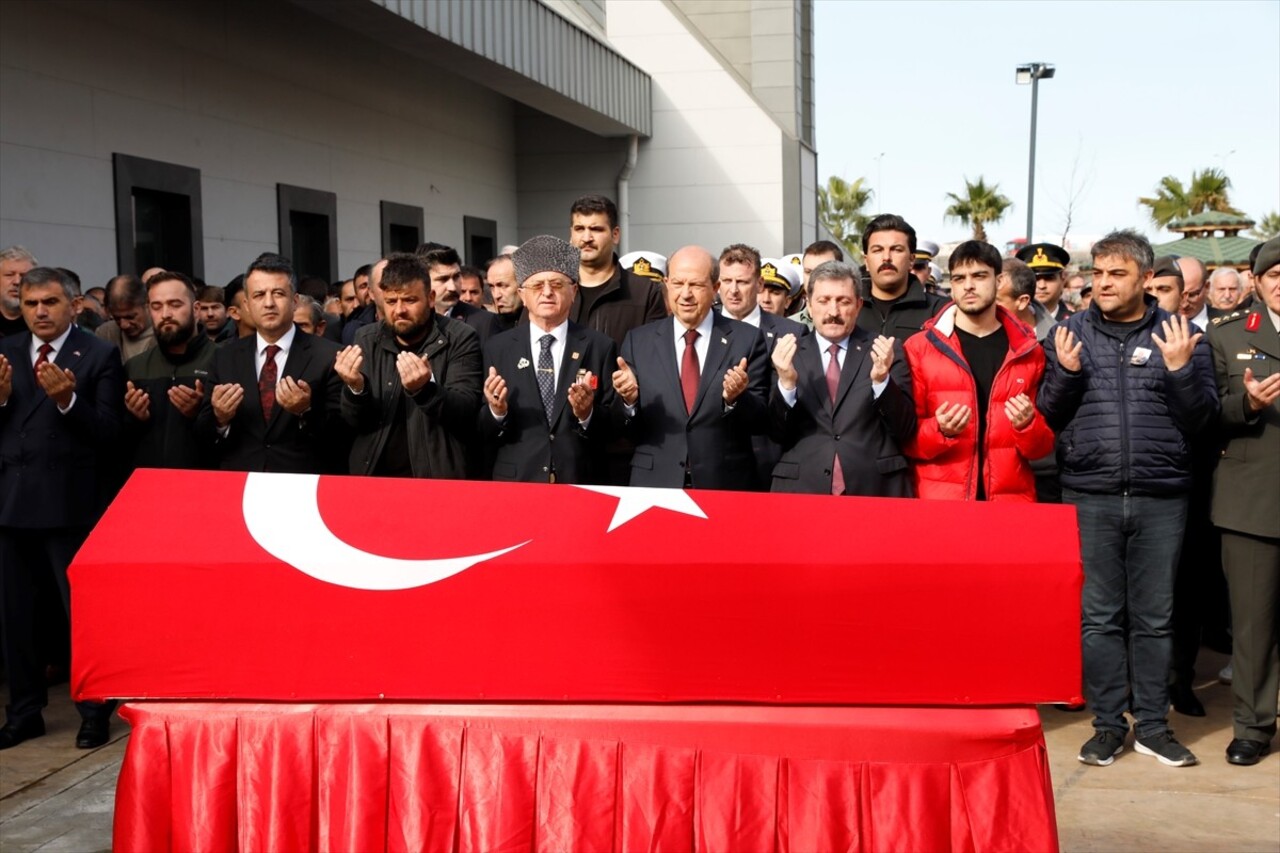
x=974 y=373
x=166 y=383
x=471 y=286
x=1016 y=291
x=444 y=270
x=211 y=308
x=897 y=303
x=610 y=299
x=1127 y=386
x=412 y=381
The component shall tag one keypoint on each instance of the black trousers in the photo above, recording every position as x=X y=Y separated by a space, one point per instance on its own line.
x=29 y=559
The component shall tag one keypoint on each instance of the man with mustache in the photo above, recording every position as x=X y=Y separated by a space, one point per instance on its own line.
x=167 y=382
x=273 y=395
x=897 y=304
x=841 y=406
x=444 y=267
x=130 y=325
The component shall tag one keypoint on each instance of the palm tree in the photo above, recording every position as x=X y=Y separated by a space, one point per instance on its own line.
x=1267 y=227
x=980 y=205
x=840 y=210
x=1207 y=191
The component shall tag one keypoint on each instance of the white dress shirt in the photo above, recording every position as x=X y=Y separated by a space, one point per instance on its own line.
x=752 y=319
x=260 y=354
x=57 y=343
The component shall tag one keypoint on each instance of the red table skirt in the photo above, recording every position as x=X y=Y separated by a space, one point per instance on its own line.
x=218 y=776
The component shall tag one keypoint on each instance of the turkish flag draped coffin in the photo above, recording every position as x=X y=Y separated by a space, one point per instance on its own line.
x=201 y=585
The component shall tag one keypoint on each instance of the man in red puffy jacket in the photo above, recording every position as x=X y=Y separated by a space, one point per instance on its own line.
x=975 y=369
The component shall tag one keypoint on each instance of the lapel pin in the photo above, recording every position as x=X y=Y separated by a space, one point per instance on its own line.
x=575 y=356
x=76 y=353
x=522 y=364
x=724 y=341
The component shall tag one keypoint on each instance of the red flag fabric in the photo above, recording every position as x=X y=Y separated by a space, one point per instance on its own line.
x=289 y=587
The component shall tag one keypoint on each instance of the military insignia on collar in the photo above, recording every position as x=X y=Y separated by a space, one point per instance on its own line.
x=1254 y=321
x=522 y=364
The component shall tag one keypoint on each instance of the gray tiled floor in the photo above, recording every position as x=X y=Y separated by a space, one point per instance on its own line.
x=54 y=797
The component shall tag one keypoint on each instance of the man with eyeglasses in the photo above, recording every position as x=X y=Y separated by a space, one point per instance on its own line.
x=692 y=387
x=1049 y=263
x=542 y=383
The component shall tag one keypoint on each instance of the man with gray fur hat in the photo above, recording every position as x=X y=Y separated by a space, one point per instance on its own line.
x=546 y=412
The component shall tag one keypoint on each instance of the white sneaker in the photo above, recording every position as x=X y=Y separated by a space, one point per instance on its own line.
x=1224 y=674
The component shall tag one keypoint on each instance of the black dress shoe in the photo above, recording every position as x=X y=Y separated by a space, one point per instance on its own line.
x=15 y=733
x=93 y=733
x=1185 y=700
x=1246 y=752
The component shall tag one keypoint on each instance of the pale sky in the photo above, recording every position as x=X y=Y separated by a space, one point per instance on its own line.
x=1142 y=90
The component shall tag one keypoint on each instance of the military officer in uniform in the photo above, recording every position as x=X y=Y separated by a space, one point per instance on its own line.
x=1246 y=501
x=1049 y=263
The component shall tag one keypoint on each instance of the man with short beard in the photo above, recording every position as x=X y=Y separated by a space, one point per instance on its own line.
x=412 y=381
x=167 y=382
x=897 y=304
x=974 y=374
x=15 y=261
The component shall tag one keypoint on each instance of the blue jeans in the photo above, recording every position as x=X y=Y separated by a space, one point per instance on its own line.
x=1129 y=546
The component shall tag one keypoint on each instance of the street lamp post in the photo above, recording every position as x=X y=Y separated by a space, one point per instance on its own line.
x=1033 y=73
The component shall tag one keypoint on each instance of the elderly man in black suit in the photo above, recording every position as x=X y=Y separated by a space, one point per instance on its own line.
x=841 y=408
x=61 y=409
x=542 y=386
x=692 y=387
x=274 y=404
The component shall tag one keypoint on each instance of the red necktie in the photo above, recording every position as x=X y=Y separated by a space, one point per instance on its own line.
x=42 y=356
x=833 y=384
x=689 y=371
x=267 y=382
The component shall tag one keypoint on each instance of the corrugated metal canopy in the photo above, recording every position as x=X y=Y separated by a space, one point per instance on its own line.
x=519 y=48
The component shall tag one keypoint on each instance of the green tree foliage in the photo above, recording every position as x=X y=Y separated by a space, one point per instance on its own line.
x=1208 y=191
x=980 y=205
x=840 y=210
x=1268 y=226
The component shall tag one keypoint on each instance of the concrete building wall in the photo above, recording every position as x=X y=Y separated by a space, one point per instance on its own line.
x=710 y=173
x=251 y=94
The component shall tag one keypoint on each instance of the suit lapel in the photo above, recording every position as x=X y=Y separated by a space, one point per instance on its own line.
x=295 y=364
x=666 y=343
x=809 y=366
x=715 y=367
x=68 y=358
x=527 y=377
x=854 y=364
x=246 y=369
x=574 y=345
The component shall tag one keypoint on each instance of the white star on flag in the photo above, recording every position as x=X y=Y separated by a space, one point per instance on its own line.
x=634 y=500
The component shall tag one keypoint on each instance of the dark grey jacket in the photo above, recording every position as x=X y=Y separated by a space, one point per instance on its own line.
x=441 y=416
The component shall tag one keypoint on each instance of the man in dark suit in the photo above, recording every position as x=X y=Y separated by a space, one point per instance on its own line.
x=1246 y=502
x=841 y=408
x=61 y=409
x=742 y=277
x=541 y=390
x=275 y=398
x=691 y=388
x=445 y=269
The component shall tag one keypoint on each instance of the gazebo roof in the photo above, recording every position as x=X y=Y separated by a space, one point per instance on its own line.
x=1211 y=220
x=1214 y=251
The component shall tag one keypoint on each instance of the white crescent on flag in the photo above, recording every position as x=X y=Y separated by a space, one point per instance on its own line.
x=283 y=516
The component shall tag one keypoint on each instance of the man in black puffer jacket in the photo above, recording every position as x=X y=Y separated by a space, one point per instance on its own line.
x=1127 y=386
